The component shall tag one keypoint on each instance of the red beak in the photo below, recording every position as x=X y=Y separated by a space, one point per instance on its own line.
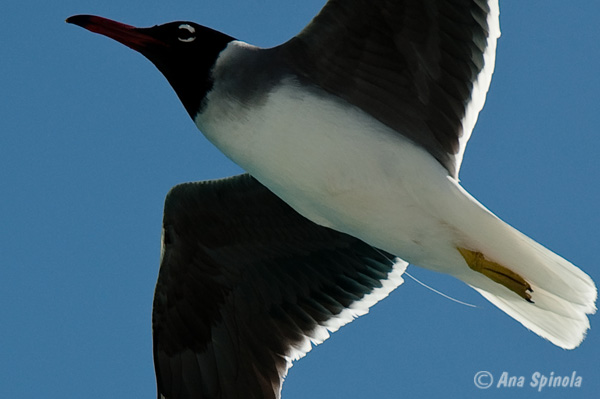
x=132 y=37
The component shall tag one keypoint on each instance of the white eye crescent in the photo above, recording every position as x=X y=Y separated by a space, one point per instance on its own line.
x=187 y=33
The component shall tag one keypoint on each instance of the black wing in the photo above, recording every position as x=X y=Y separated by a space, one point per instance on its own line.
x=246 y=284
x=422 y=67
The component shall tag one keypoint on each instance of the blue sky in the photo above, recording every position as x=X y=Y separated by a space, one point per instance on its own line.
x=92 y=138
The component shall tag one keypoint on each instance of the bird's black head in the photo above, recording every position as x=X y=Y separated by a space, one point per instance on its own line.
x=184 y=52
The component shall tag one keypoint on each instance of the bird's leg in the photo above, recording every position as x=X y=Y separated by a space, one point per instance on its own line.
x=497 y=273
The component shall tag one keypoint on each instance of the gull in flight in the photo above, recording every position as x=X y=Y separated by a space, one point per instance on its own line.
x=352 y=134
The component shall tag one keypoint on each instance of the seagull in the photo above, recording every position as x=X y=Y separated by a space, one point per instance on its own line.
x=352 y=134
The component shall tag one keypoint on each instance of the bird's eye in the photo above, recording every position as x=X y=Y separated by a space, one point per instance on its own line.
x=187 y=33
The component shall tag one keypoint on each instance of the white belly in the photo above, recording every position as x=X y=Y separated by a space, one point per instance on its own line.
x=343 y=170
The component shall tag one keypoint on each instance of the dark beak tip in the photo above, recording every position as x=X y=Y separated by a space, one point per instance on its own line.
x=80 y=20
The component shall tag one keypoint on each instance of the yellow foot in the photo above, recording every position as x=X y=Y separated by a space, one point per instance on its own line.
x=497 y=273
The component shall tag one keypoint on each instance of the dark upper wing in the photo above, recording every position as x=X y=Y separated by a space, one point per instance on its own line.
x=422 y=67
x=246 y=283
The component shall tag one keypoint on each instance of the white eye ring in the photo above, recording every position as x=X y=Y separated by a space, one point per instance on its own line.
x=189 y=31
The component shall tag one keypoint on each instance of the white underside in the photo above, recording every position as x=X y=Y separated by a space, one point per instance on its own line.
x=342 y=169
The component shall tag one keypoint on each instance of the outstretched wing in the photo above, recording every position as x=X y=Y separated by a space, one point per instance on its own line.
x=422 y=67
x=245 y=286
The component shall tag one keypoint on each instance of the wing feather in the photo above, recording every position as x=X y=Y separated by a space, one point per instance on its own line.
x=246 y=285
x=422 y=67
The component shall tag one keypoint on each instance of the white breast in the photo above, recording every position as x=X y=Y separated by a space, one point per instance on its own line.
x=337 y=166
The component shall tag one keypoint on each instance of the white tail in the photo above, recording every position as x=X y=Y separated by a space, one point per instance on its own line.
x=562 y=296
